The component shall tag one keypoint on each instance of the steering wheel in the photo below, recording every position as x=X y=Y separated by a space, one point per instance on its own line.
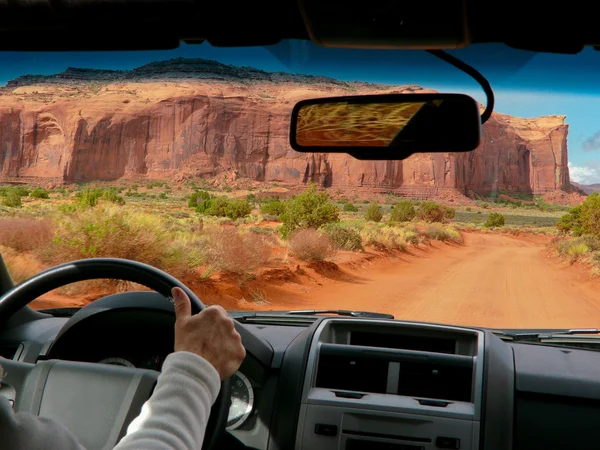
x=121 y=391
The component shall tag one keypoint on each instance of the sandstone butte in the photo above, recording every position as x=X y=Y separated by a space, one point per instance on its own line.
x=186 y=118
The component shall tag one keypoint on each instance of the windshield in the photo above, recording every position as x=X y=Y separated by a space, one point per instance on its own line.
x=181 y=159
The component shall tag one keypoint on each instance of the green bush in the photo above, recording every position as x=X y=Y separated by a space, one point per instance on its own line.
x=590 y=215
x=584 y=218
x=349 y=207
x=39 y=192
x=224 y=207
x=310 y=209
x=343 y=238
x=450 y=212
x=571 y=222
x=374 y=213
x=112 y=196
x=434 y=212
x=88 y=198
x=12 y=199
x=273 y=207
x=494 y=220
x=197 y=198
x=403 y=211
x=238 y=208
x=21 y=191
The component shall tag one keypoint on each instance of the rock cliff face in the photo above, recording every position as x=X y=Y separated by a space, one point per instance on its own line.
x=188 y=118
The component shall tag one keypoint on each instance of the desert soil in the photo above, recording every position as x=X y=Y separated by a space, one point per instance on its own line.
x=493 y=280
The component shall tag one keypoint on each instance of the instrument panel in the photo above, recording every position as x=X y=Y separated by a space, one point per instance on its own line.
x=242 y=401
x=242 y=391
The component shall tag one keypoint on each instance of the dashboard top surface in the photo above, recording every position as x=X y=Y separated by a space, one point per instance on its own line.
x=285 y=393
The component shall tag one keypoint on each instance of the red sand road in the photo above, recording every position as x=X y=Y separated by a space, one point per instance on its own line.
x=492 y=281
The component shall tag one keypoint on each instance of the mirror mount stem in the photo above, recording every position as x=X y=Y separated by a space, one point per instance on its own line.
x=473 y=73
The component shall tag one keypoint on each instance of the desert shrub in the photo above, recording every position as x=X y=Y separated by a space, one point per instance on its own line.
x=135 y=194
x=443 y=233
x=449 y=212
x=468 y=208
x=162 y=196
x=590 y=215
x=434 y=212
x=311 y=245
x=105 y=232
x=21 y=266
x=343 y=238
x=273 y=207
x=575 y=248
x=12 y=199
x=228 y=250
x=238 y=208
x=88 y=198
x=225 y=207
x=592 y=241
x=384 y=238
x=112 y=195
x=21 y=191
x=157 y=184
x=263 y=231
x=404 y=211
x=197 y=198
x=411 y=235
x=349 y=207
x=39 y=192
x=310 y=209
x=494 y=220
x=25 y=234
x=374 y=213
x=571 y=222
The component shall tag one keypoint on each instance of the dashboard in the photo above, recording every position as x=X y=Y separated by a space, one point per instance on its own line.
x=326 y=382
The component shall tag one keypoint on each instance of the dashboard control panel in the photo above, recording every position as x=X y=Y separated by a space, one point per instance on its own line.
x=393 y=385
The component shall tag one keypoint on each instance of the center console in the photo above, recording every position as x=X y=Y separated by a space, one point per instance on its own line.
x=392 y=385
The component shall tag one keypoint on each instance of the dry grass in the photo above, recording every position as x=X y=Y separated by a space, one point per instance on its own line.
x=311 y=245
x=20 y=265
x=443 y=233
x=24 y=234
x=228 y=250
x=108 y=232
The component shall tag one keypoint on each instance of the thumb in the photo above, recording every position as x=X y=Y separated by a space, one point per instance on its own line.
x=183 y=306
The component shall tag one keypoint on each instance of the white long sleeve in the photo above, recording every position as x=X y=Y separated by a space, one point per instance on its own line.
x=174 y=418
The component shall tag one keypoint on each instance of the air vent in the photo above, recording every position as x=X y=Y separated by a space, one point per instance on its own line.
x=403 y=341
x=398 y=372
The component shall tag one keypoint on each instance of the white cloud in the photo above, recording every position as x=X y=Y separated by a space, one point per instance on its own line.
x=584 y=175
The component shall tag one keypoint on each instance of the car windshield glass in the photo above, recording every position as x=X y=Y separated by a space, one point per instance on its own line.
x=181 y=159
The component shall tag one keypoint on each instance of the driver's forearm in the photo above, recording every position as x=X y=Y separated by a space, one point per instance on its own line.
x=176 y=414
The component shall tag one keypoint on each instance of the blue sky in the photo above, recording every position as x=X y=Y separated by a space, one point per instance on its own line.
x=526 y=84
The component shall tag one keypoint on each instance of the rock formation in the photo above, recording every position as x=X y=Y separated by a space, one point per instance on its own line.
x=198 y=118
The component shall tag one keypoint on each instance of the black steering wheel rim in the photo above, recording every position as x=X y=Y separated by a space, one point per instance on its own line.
x=90 y=269
x=119 y=269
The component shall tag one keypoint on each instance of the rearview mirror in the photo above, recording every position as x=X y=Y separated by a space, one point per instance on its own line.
x=391 y=126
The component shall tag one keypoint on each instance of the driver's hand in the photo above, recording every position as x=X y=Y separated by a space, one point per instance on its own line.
x=210 y=334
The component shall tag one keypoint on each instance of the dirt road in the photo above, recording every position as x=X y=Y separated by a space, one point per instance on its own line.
x=492 y=281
